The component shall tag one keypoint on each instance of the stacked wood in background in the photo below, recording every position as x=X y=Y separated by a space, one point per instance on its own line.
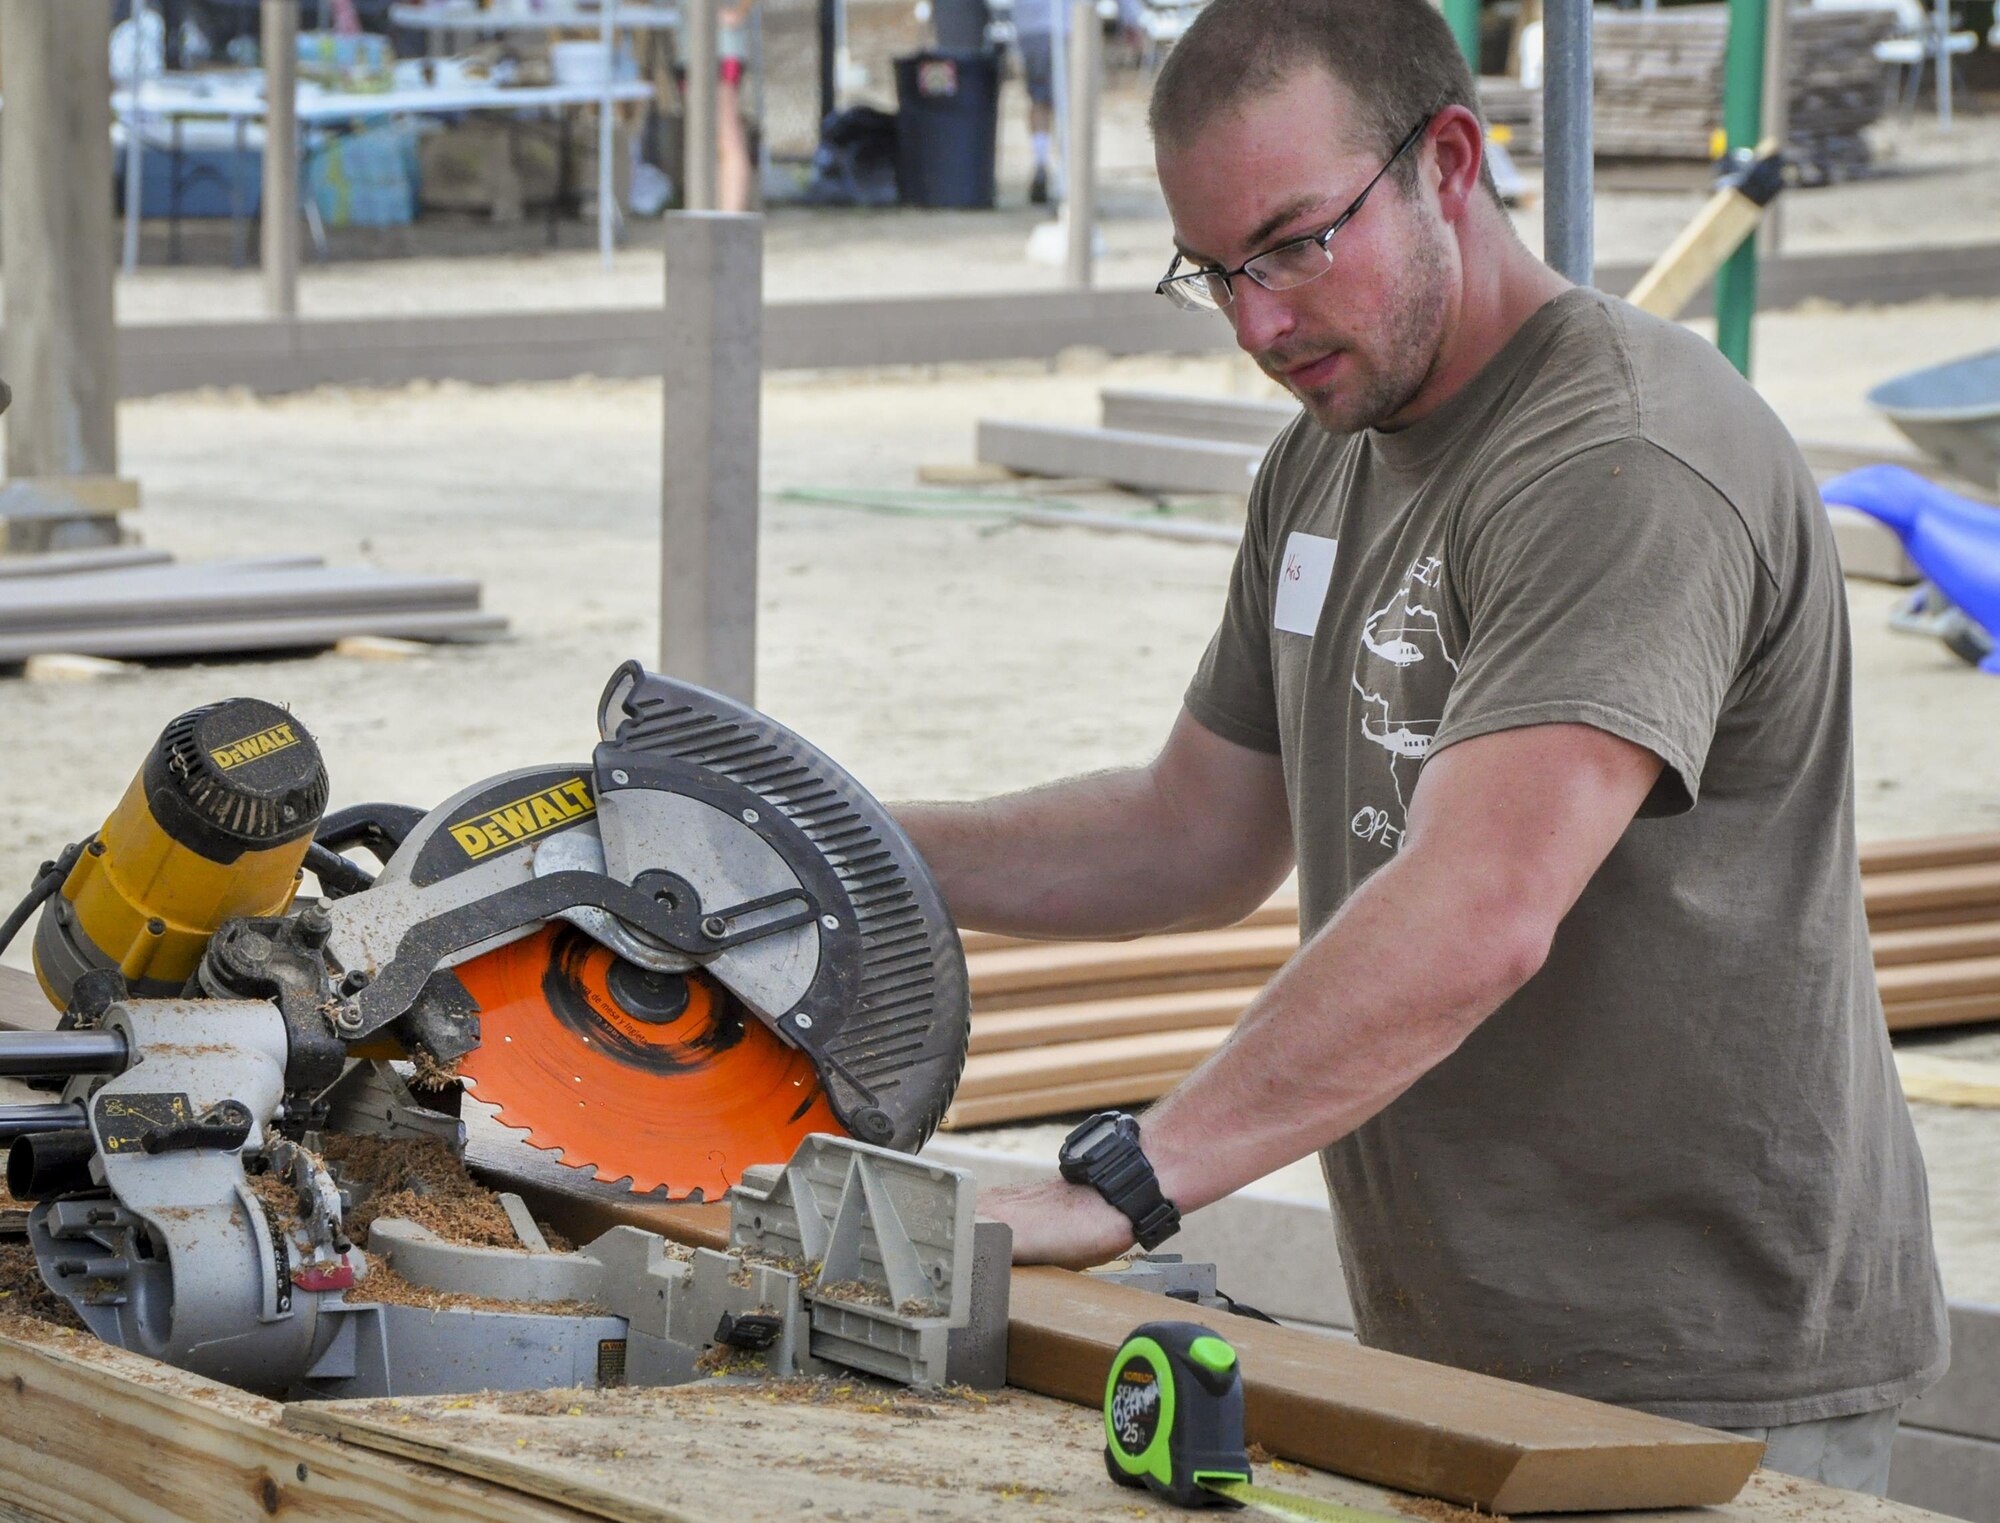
x=1070 y=1026
x=126 y=601
x=1508 y=104
x=1658 y=84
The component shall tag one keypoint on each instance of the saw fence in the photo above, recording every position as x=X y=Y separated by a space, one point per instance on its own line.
x=1059 y=1027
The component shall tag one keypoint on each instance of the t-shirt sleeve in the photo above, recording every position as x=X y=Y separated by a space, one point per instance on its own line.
x=1231 y=693
x=1619 y=590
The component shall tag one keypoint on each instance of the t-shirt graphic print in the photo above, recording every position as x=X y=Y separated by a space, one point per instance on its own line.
x=1403 y=668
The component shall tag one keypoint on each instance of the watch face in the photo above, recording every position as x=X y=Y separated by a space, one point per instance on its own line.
x=1083 y=1144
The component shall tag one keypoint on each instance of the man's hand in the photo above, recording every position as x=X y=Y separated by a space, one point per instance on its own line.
x=1059 y=1223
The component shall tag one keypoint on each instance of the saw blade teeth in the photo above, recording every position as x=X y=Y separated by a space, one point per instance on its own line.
x=680 y=1098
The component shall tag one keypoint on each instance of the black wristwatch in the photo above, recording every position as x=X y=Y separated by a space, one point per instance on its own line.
x=1104 y=1153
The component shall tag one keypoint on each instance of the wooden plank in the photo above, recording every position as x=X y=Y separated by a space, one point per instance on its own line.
x=1930 y=851
x=1062 y=1099
x=1085 y=1019
x=1149 y=462
x=1231 y=420
x=95 y=1434
x=253 y=634
x=1398 y=1422
x=1967 y=890
x=73 y=562
x=1931 y=1079
x=1942 y=943
x=1922 y=1015
x=997 y=1073
x=1922 y=982
x=1078 y=964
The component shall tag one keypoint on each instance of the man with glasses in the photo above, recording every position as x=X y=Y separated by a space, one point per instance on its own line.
x=1535 y=662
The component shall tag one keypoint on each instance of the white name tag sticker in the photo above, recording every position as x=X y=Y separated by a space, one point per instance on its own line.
x=1303 y=577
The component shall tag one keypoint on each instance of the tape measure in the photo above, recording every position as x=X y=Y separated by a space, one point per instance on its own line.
x=1173 y=1424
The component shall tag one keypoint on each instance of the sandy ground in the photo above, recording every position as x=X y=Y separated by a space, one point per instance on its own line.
x=1932 y=188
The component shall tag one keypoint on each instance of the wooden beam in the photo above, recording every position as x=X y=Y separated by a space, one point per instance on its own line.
x=1398 y=1422
x=1150 y=462
x=1040 y=1102
x=708 y=480
x=1232 y=420
x=279 y=222
x=1030 y=969
x=1930 y=851
x=56 y=241
x=1000 y=1073
x=95 y=1434
x=1085 y=1019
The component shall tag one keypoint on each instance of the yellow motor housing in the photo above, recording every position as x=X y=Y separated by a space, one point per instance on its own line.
x=214 y=827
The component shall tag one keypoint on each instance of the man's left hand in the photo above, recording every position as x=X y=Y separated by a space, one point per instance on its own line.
x=1059 y=1223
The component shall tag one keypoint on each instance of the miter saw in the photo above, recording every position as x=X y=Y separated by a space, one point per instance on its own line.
x=673 y=966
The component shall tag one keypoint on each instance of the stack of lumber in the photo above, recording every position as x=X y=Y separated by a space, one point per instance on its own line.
x=1059 y=1027
x=1509 y=105
x=1657 y=84
x=124 y=601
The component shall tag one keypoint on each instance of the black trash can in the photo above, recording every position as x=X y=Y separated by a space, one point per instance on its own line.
x=946 y=119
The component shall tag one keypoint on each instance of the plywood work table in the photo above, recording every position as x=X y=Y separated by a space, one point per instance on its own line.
x=96 y=1435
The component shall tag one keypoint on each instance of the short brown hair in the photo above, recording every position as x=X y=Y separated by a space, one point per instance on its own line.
x=1397 y=58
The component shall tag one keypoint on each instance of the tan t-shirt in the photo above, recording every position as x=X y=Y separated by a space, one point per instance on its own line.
x=1675 y=1170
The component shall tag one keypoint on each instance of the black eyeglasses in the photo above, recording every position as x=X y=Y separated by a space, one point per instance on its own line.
x=1279 y=269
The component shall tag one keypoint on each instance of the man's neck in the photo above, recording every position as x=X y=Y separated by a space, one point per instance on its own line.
x=1504 y=286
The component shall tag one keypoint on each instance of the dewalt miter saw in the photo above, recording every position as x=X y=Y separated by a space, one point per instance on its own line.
x=671 y=965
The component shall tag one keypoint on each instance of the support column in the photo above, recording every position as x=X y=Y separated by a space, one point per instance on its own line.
x=279 y=219
x=57 y=244
x=1085 y=57
x=1742 y=122
x=1777 y=114
x=698 y=101
x=1568 y=175
x=709 y=476
x=1463 y=18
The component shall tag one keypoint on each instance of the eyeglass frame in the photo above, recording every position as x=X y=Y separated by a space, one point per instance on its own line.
x=1322 y=238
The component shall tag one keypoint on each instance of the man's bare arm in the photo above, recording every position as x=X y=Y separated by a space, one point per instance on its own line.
x=1198 y=838
x=1505 y=832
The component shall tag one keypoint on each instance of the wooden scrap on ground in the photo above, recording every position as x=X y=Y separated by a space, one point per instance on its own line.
x=267 y=603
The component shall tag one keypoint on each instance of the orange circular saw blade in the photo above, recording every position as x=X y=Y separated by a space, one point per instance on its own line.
x=685 y=1100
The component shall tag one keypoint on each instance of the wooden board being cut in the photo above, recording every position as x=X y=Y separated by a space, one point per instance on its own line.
x=1467 y=1438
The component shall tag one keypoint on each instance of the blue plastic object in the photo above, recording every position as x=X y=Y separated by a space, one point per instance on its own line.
x=1953 y=540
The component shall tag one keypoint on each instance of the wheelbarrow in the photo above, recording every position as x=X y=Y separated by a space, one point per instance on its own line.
x=1953 y=540
x=1952 y=412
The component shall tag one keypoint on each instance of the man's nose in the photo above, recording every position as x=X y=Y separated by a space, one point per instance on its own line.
x=1262 y=318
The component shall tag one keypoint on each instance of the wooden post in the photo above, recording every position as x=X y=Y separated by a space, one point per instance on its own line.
x=708 y=481
x=1085 y=52
x=280 y=217
x=57 y=243
x=1777 y=114
x=698 y=101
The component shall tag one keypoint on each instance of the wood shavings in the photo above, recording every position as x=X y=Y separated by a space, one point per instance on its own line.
x=421 y=1180
x=1435 y=1510
x=383 y=1284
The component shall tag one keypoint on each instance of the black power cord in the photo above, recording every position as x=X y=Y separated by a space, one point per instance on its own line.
x=47 y=881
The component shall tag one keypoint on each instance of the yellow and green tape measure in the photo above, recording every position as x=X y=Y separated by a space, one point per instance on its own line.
x=1173 y=1423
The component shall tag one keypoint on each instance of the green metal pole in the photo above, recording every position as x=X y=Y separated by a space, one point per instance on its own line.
x=1742 y=121
x=1463 y=18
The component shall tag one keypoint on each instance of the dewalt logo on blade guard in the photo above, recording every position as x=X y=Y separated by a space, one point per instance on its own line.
x=525 y=818
x=251 y=747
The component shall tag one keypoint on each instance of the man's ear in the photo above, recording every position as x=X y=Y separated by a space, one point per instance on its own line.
x=1458 y=149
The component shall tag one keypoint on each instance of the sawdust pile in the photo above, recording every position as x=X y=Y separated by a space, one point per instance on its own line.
x=420 y=1180
x=22 y=1289
x=385 y=1285
x=1432 y=1510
